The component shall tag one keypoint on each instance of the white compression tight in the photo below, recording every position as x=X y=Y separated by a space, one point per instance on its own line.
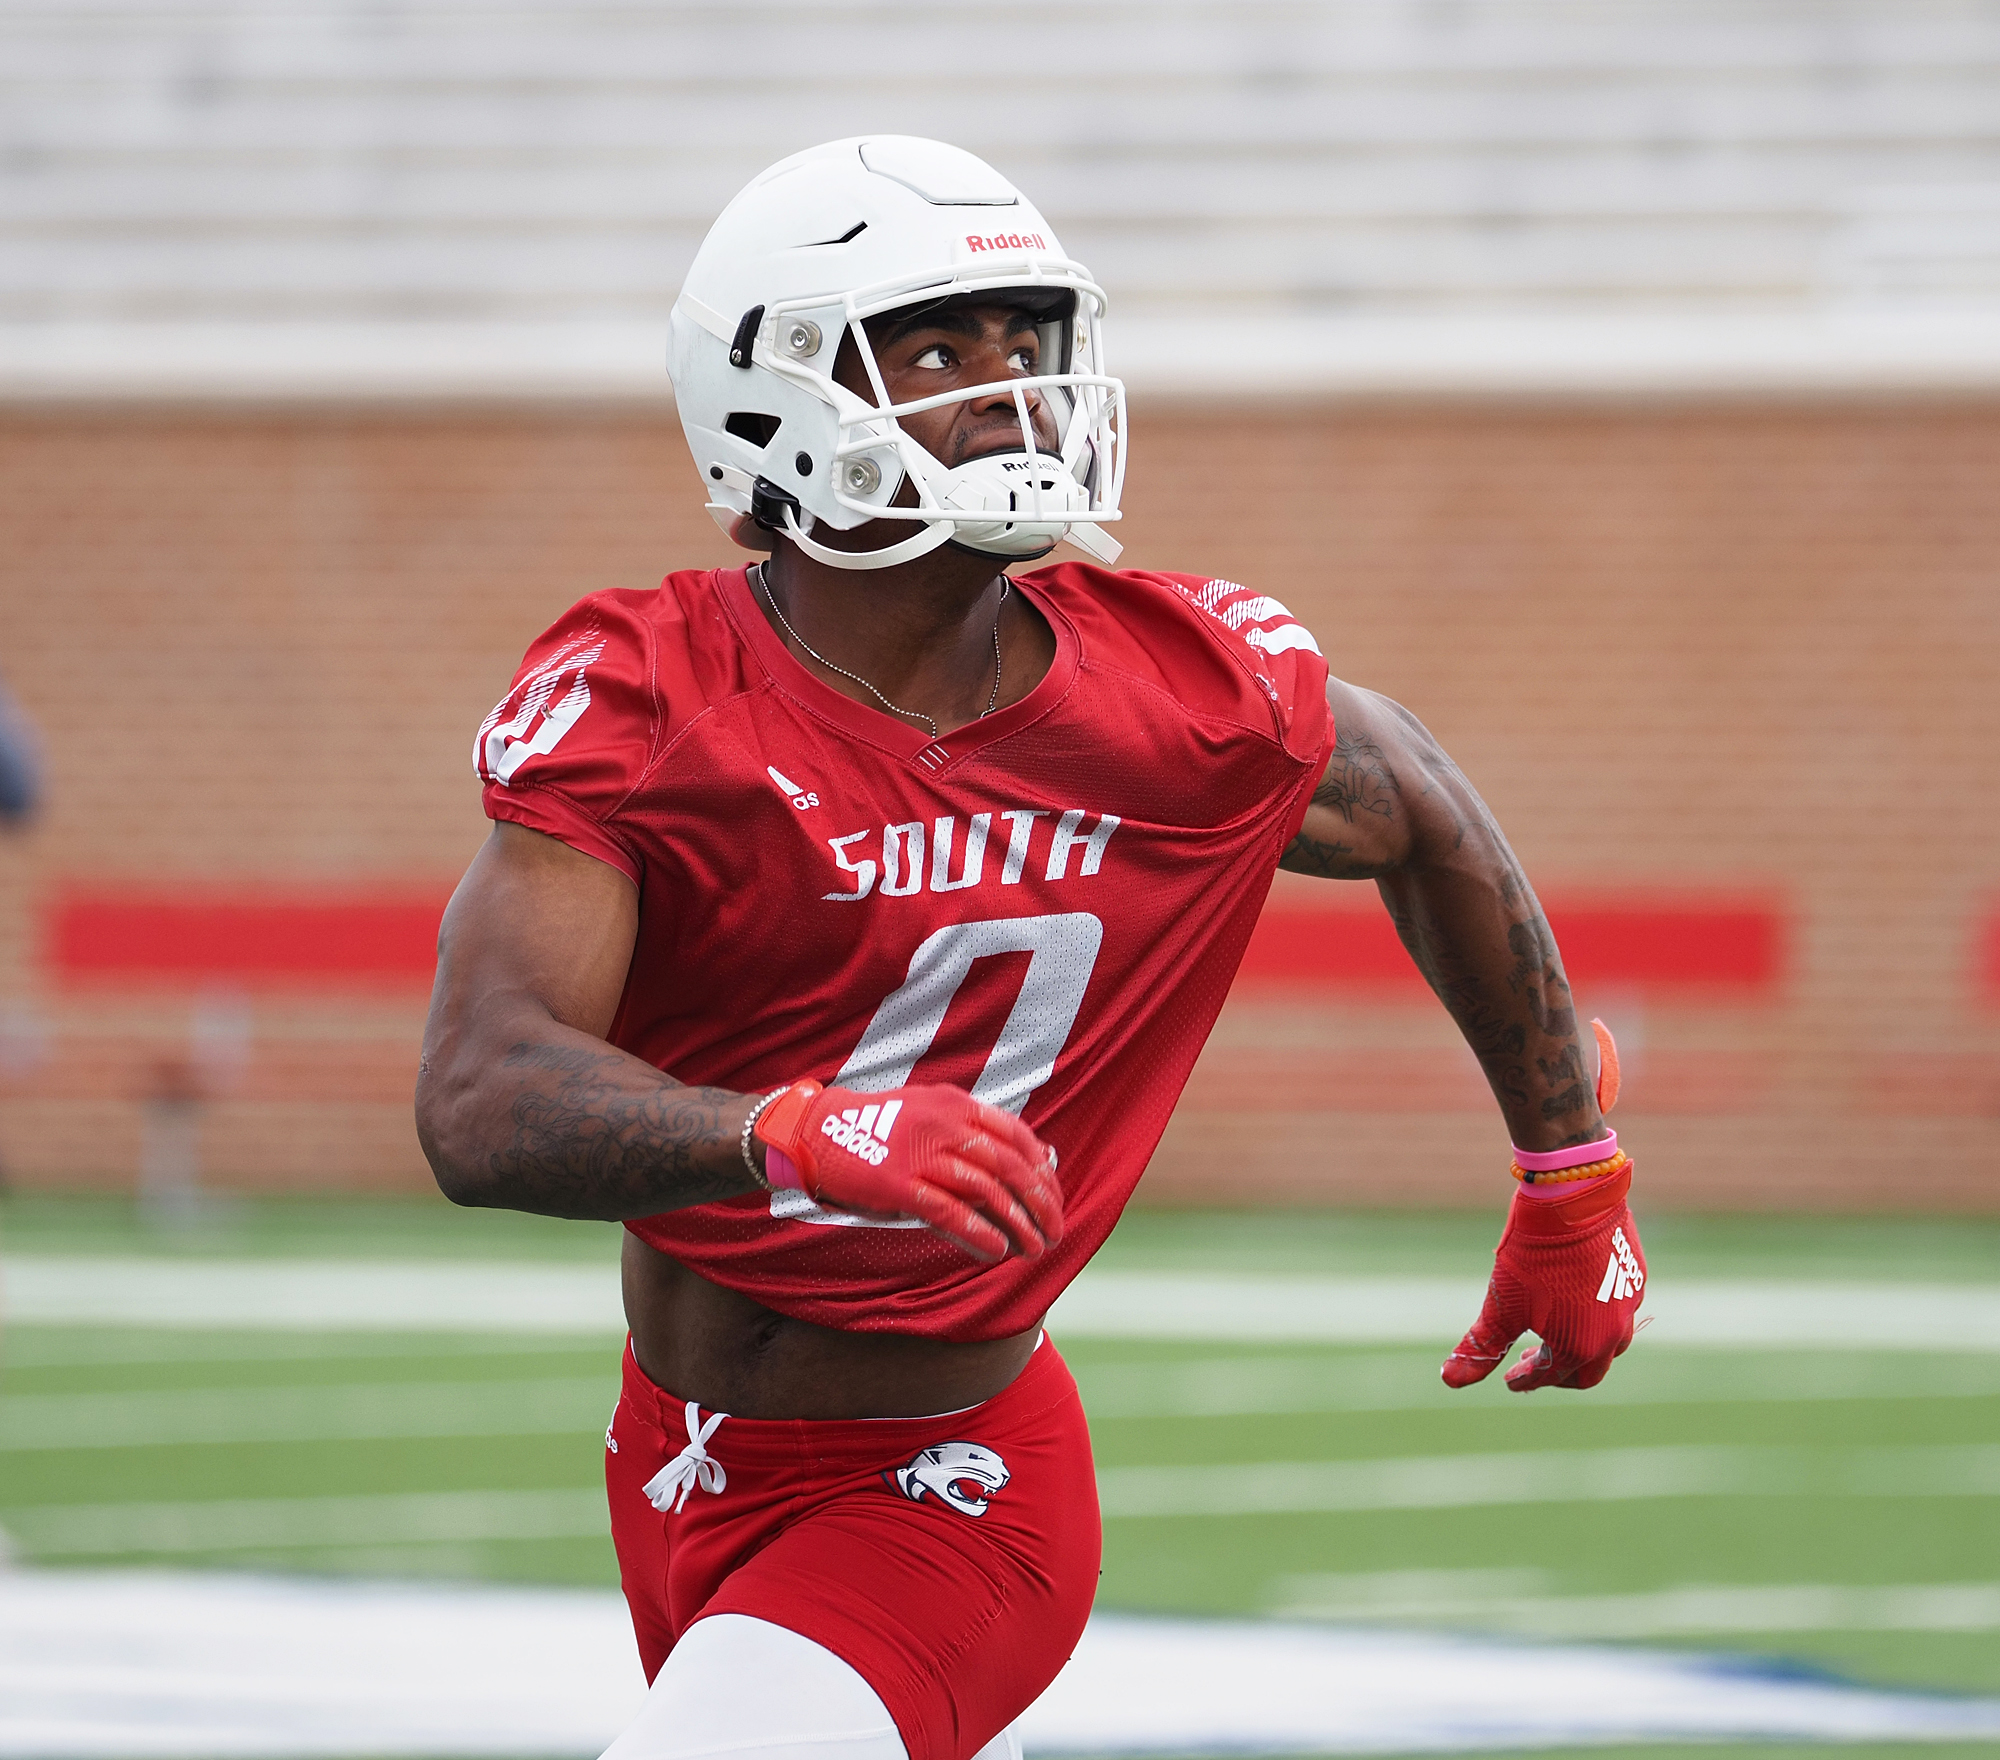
x=752 y=1690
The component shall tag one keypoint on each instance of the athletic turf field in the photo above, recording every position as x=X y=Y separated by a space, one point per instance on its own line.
x=1839 y=1507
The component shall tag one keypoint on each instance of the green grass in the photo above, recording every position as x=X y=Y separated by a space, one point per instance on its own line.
x=1445 y=1242
x=1926 y=1249
x=317 y=1228
x=525 y=1415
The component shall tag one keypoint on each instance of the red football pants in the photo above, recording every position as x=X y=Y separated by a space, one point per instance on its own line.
x=850 y=1534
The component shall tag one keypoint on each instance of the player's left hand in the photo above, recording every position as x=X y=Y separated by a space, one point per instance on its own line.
x=1570 y=1270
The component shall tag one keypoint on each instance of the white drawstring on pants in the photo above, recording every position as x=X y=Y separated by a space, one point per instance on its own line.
x=693 y=1464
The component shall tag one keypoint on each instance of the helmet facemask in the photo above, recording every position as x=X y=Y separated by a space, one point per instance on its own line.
x=1014 y=505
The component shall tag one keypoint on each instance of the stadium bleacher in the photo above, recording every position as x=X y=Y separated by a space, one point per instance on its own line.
x=461 y=196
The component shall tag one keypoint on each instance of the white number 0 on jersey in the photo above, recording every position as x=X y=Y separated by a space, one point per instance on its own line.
x=1062 y=951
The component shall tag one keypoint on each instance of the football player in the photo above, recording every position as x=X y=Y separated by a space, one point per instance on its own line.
x=848 y=927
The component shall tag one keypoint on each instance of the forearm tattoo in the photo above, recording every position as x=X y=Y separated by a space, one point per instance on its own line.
x=584 y=1142
x=1470 y=921
x=1518 y=1018
x=1464 y=910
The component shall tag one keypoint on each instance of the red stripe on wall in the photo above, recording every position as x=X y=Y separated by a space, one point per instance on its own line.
x=310 y=940
x=1265 y=1079
x=1294 y=945
x=1989 y=958
x=1650 y=941
x=1640 y=942
x=317 y=939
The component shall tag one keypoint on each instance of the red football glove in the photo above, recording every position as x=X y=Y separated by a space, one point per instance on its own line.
x=1569 y=1269
x=976 y=1174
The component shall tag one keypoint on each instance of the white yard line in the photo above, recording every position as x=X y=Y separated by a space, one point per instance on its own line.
x=1599 y=1475
x=1397 y=1381
x=26 y=1345
x=260 y=1524
x=364 y=1295
x=1248 y=1488
x=1683 y=1611
x=347 y=1413
x=177 y=1666
x=1200 y=1387
x=1409 y=1310
x=525 y=1298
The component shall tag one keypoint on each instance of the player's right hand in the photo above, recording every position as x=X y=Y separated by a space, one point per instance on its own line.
x=975 y=1174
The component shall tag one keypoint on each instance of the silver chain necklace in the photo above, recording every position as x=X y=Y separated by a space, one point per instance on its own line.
x=993 y=697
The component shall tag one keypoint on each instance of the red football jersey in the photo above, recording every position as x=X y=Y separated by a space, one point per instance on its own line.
x=1045 y=907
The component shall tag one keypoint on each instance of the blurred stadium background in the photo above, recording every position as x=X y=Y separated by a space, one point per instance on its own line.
x=1615 y=383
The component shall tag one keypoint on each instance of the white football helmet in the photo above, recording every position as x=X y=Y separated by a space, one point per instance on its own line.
x=831 y=237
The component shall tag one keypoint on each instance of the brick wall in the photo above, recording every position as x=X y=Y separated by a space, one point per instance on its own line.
x=1692 y=654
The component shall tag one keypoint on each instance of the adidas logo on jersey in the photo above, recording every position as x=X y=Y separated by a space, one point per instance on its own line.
x=863 y=1131
x=1623 y=1275
x=802 y=798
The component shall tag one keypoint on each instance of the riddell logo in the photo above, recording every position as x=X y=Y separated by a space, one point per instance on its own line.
x=863 y=1131
x=1007 y=241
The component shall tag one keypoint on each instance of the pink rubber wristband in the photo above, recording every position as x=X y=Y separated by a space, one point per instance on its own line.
x=778 y=1169
x=1555 y=1160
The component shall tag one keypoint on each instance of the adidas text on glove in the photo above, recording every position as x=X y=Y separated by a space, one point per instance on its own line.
x=975 y=1174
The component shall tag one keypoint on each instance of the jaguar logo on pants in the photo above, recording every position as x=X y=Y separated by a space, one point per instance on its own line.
x=962 y=1475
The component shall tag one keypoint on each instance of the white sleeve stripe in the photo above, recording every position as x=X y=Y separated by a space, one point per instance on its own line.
x=501 y=748
x=1283 y=639
x=1252 y=611
x=1233 y=605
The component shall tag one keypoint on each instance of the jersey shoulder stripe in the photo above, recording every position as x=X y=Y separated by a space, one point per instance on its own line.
x=1273 y=629
x=531 y=720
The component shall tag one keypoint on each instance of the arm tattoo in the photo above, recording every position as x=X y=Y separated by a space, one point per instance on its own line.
x=585 y=1143
x=1358 y=779
x=1307 y=854
x=1502 y=980
x=1462 y=908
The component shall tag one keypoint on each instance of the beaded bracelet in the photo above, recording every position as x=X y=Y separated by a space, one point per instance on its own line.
x=749 y=1125
x=1614 y=1163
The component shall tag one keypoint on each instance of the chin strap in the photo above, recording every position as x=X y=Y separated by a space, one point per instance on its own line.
x=1086 y=535
x=931 y=538
x=1094 y=541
